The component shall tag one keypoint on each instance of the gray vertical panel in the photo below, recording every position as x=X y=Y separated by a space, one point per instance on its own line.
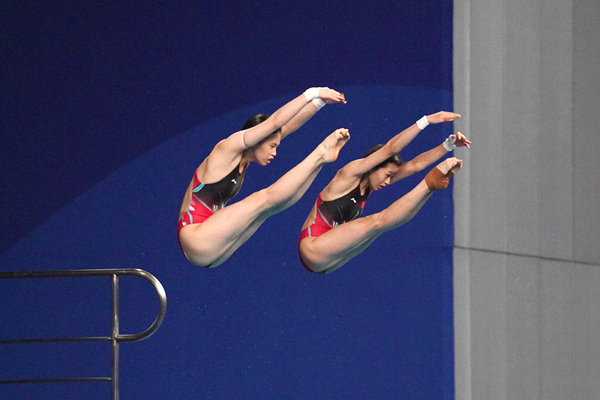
x=520 y=347
x=488 y=325
x=521 y=104
x=462 y=105
x=556 y=330
x=586 y=101
x=488 y=195
x=586 y=333
x=523 y=325
x=462 y=203
x=462 y=325
x=556 y=122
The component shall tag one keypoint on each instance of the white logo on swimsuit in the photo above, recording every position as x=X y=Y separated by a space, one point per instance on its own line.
x=353 y=200
x=234 y=182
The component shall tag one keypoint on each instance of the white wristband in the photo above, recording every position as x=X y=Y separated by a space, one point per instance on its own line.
x=449 y=143
x=422 y=123
x=312 y=93
x=319 y=103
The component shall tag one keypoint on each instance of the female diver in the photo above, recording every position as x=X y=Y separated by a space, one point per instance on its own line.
x=209 y=232
x=333 y=234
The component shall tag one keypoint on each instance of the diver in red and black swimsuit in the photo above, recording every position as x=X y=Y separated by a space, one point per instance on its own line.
x=209 y=231
x=333 y=233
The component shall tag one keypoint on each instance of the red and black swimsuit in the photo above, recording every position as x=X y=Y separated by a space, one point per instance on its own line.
x=335 y=212
x=208 y=198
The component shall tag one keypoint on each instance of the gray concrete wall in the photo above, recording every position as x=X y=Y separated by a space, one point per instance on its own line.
x=527 y=217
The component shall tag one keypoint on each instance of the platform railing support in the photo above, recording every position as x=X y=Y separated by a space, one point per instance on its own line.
x=115 y=338
x=115 y=335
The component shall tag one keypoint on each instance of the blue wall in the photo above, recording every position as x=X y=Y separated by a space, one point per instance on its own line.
x=112 y=109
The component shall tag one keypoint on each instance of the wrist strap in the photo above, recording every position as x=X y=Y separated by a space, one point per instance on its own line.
x=318 y=102
x=422 y=123
x=312 y=93
x=449 y=143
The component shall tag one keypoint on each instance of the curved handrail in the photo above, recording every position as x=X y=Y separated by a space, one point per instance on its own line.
x=162 y=306
x=162 y=296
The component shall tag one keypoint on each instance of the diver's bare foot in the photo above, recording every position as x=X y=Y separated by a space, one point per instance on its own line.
x=439 y=177
x=332 y=145
x=451 y=164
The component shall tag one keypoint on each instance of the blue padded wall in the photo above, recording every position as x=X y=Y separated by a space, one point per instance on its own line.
x=128 y=104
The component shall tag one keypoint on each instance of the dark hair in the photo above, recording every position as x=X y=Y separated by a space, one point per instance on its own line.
x=395 y=159
x=254 y=120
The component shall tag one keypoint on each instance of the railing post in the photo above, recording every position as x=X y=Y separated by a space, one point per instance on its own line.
x=115 y=335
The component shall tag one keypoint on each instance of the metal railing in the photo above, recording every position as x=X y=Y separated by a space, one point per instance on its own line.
x=115 y=338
